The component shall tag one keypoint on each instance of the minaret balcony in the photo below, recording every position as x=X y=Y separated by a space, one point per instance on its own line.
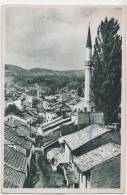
x=88 y=63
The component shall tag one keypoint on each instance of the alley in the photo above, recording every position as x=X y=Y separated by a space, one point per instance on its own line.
x=44 y=176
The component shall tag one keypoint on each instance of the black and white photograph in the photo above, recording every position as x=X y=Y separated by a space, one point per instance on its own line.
x=62 y=98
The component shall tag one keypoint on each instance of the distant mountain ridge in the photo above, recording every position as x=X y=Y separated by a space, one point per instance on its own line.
x=18 y=68
x=51 y=79
x=15 y=69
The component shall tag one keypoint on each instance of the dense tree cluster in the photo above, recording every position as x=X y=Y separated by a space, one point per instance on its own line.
x=50 y=82
x=106 y=80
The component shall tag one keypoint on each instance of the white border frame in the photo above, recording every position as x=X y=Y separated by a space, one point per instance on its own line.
x=123 y=126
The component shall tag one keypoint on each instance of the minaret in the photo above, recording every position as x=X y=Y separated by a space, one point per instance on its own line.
x=38 y=90
x=88 y=73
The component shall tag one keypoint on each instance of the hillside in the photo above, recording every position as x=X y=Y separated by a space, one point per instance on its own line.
x=51 y=79
x=18 y=70
x=15 y=69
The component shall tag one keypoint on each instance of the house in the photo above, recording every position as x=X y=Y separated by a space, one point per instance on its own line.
x=63 y=110
x=15 y=167
x=13 y=178
x=84 y=140
x=15 y=158
x=28 y=117
x=52 y=125
x=44 y=105
x=84 y=164
x=51 y=122
x=66 y=97
x=21 y=125
x=76 y=143
x=13 y=120
x=50 y=141
x=79 y=106
x=25 y=121
x=21 y=143
x=26 y=100
x=49 y=116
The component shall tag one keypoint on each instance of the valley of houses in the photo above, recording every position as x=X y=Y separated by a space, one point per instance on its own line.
x=71 y=137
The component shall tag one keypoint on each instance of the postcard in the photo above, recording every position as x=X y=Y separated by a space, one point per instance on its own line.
x=63 y=106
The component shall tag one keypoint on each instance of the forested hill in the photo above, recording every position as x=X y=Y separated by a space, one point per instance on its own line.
x=72 y=79
x=18 y=70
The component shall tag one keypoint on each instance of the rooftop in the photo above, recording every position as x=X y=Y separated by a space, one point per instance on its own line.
x=51 y=137
x=79 y=138
x=15 y=120
x=12 y=136
x=15 y=159
x=13 y=178
x=8 y=184
x=56 y=123
x=52 y=121
x=99 y=155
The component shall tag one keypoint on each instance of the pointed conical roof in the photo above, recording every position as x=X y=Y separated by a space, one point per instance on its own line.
x=89 y=42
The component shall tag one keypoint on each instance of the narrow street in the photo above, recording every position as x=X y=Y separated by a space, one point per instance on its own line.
x=44 y=176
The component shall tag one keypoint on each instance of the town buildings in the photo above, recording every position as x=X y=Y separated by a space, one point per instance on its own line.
x=18 y=149
x=66 y=130
x=85 y=163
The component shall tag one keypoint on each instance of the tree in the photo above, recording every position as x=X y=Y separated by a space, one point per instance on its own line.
x=35 y=102
x=13 y=109
x=73 y=85
x=106 y=79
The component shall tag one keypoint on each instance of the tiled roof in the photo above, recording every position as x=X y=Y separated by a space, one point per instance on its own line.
x=16 y=139
x=8 y=184
x=97 y=156
x=83 y=136
x=52 y=122
x=51 y=130
x=51 y=137
x=56 y=123
x=15 y=159
x=13 y=178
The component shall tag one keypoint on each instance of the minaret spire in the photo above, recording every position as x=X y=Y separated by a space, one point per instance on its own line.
x=89 y=42
x=88 y=72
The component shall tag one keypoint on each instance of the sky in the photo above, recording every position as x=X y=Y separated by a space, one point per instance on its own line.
x=51 y=37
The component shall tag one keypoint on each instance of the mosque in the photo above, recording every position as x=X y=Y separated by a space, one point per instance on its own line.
x=87 y=113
